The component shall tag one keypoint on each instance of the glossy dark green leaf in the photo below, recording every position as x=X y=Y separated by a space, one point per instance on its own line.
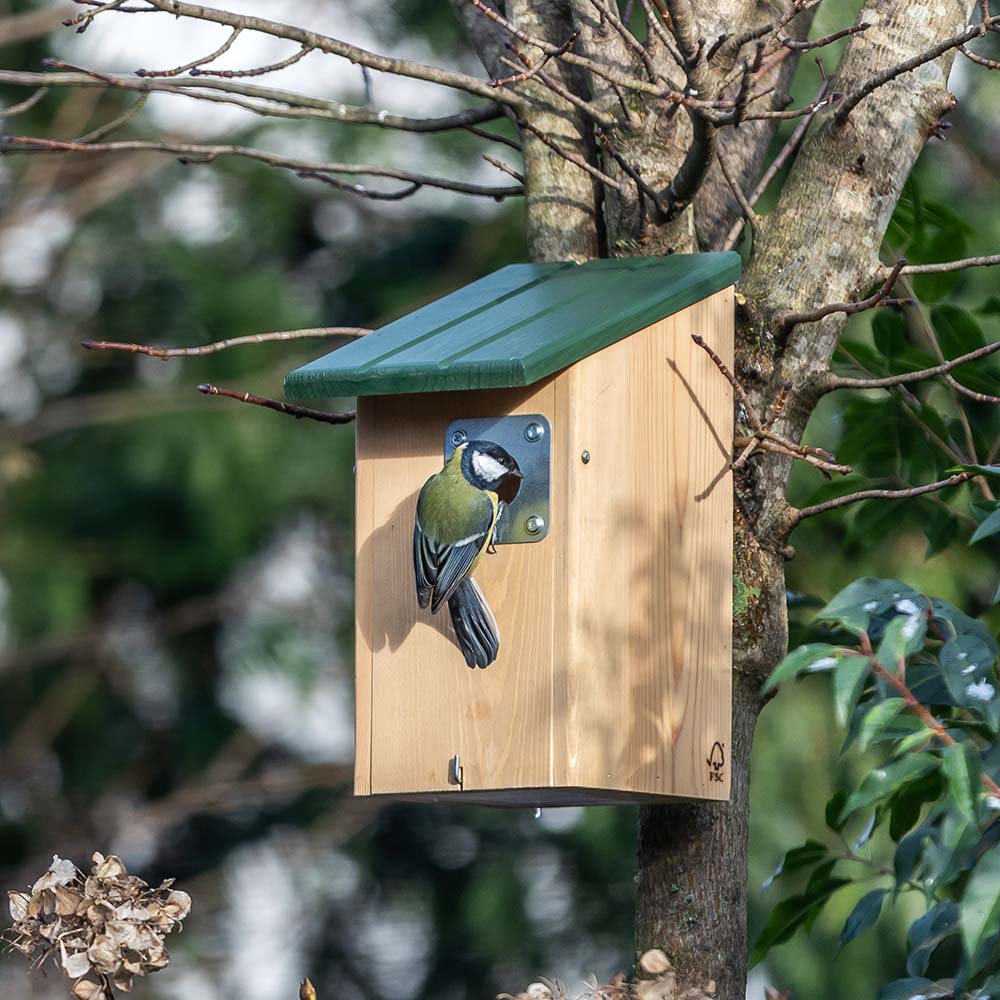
x=833 y=810
x=909 y=852
x=913 y=988
x=848 y=682
x=863 y=916
x=981 y=903
x=883 y=781
x=962 y=769
x=811 y=658
x=854 y=605
x=927 y=932
x=876 y=719
x=907 y=804
x=903 y=635
x=989 y=526
x=957 y=623
x=792 y=913
x=810 y=853
x=958 y=330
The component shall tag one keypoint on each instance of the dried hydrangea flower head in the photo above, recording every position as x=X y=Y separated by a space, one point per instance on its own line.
x=104 y=928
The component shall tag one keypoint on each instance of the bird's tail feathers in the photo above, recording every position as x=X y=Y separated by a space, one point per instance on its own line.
x=475 y=626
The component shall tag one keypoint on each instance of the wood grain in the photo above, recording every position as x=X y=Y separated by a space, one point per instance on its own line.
x=614 y=675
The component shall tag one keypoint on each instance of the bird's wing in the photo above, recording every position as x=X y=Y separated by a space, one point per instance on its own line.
x=441 y=566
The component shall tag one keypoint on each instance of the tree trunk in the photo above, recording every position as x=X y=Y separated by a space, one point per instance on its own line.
x=819 y=244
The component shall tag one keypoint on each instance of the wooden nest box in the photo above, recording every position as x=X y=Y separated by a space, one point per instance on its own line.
x=612 y=577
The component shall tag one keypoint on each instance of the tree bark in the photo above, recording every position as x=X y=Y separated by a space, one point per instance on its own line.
x=819 y=244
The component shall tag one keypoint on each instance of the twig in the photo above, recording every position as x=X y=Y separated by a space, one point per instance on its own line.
x=531 y=71
x=276 y=102
x=115 y=123
x=193 y=153
x=990 y=260
x=299 y=412
x=805 y=46
x=500 y=165
x=493 y=137
x=26 y=105
x=978 y=59
x=800 y=514
x=979 y=397
x=921 y=711
x=232 y=74
x=814 y=315
x=178 y=70
x=334 y=46
x=786 y=153
x=360 y=190
x=570 y=157
x=644 y=189
x=749 y=214
x=832 y=382
x=222 y=345
x=82 y=21
x=661 y=33
x=852 y=100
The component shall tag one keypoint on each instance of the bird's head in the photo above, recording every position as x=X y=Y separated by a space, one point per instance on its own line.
x=489 y=467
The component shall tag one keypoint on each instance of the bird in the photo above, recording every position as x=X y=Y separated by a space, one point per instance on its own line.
x=456 y=519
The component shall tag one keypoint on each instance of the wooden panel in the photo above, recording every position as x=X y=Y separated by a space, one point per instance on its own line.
x=516 y=326
x=364 y=569
x=643 y=691
x=427 y=704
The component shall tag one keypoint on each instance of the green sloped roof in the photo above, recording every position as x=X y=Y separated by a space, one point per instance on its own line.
x=515 y=326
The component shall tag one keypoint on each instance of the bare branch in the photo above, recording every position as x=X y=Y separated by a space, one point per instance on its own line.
x=533 y=70
x=832 y=382
x=806 y=46
x=990 y=260
x=785 y=154
x=800 y=514
x=26 y=105
x=334 y=46
x=199 y=153
x=232 y=74
x=500 y=165
x=852 y=100
x=115 y=123
x=570 y=157
x=979 y=397
x=265 y=101
x=178 y=70
x=978 y=59
x=749 y=214
x=493 y=137
x=299 y=412
x=222 y=345
x=661 y=33
x=814 y=315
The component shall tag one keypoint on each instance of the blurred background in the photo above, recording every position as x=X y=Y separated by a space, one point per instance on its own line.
x=176 y=571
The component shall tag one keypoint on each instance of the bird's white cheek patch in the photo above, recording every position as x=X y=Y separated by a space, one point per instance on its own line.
x=486 y=467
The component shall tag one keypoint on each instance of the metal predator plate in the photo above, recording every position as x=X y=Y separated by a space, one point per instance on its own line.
x=528 y=437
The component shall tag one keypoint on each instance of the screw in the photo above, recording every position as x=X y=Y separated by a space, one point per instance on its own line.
x=459 y=437
x=535 y=524
x=585 y=457
x=534 y=432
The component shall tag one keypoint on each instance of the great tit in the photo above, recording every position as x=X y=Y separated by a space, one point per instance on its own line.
x=457 y=513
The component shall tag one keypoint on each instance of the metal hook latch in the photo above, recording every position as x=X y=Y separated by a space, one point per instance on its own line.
x=456 y=773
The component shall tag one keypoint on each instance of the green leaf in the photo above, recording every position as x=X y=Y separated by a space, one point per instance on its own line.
x=907 y=804
x=809 y=853
x=903 y=635
x=863 y=916
x=957 y=329
x=882 y=781
x=990 y=471
x=955 y=623
x=876 y=719
x=852 y=607
x=908 y=854
x=833 y=810
x=962 y=768
x=812 y=657
x=927 y=932
x=848 y=683
x=791 y=914
x=910 y=989
x=981 y=903
x=990 y=526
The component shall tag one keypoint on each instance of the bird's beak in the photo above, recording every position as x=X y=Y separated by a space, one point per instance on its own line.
x=517 y=472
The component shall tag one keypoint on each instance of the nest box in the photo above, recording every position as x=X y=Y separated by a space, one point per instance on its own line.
x=612 y=577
